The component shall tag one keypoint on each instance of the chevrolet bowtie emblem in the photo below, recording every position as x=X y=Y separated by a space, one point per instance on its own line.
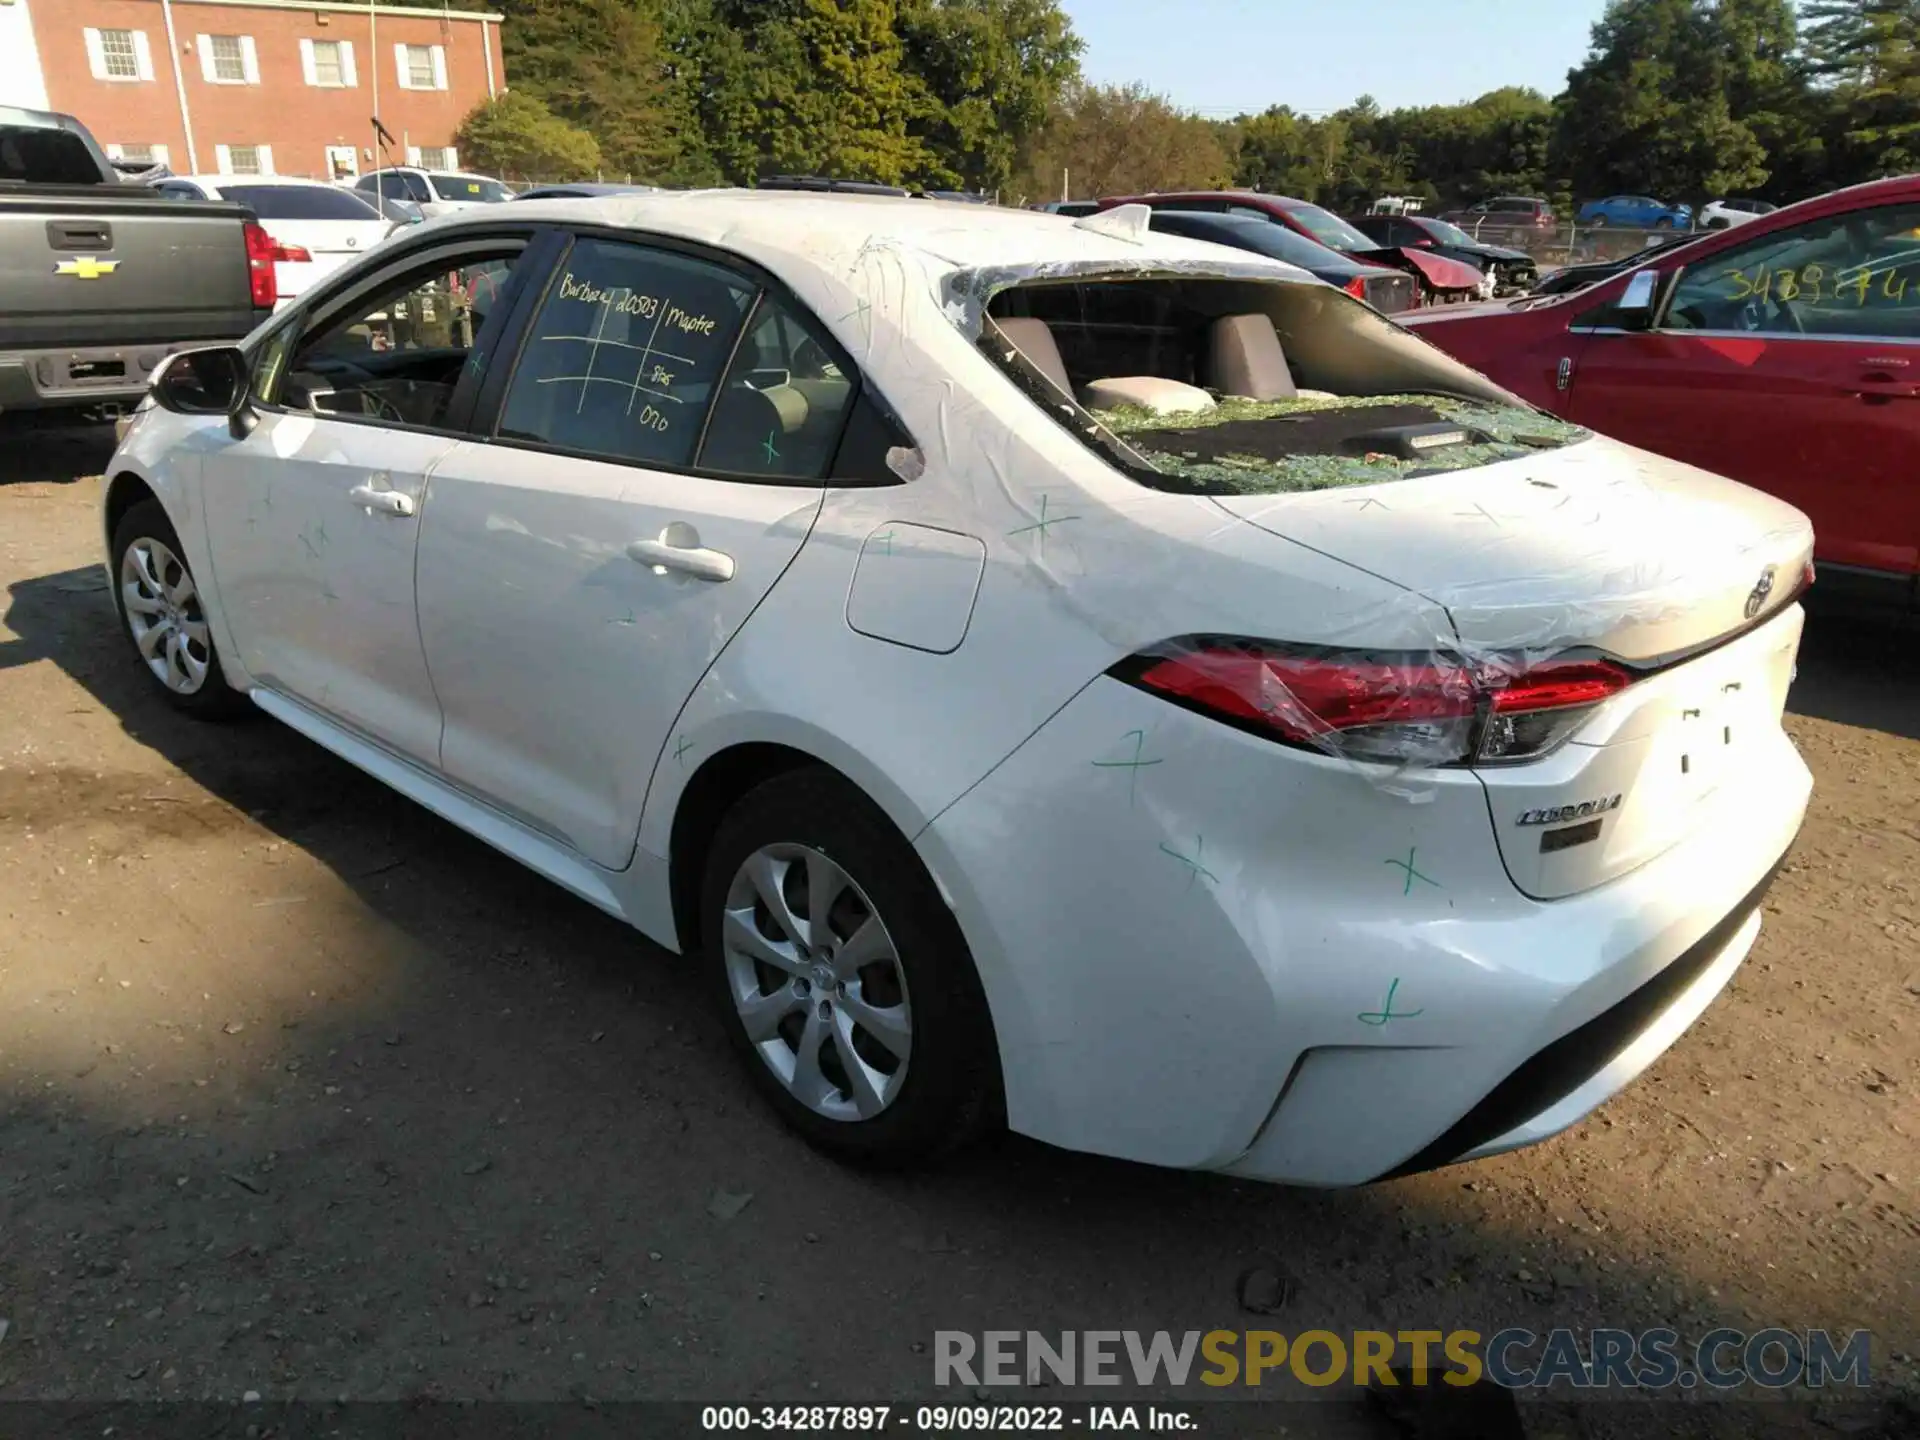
x=86 y=267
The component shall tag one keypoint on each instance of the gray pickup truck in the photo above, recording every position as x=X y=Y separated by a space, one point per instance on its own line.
x=100 y=280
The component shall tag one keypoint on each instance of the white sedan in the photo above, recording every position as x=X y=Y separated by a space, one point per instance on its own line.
x=316 y=228
x=1053 y=671
x=1722 y=214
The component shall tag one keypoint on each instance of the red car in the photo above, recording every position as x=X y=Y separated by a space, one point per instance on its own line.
x=1784 y=353
x=1440 y=278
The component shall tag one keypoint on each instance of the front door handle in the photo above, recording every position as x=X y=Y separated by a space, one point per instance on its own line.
x=682 y=552
x=387 y=502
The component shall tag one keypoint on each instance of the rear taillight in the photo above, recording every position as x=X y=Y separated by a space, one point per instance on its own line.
x=300 y=253
x=261 y=250
x=1396 y=709
x=1356 y=287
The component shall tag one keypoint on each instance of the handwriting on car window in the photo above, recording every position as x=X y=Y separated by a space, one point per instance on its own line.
x=654 y=373
x=1862 y=285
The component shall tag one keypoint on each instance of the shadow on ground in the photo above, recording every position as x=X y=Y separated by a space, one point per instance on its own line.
x=38 y=451
x=1860 y=669
x=479 y=1141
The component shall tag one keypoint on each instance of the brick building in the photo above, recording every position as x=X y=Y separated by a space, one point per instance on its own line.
x=288 y=87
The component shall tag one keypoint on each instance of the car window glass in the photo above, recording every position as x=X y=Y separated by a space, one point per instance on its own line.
x=41 y=155
x=626 y=354
x=1851 y=274
x=469 y=187
x=300 y=202
x=417 y=190
x=784 y=401
x=398 y=355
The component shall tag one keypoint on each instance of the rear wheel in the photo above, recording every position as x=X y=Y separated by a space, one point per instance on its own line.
x=160 y=610
x=842 y=978
x=1599 y=222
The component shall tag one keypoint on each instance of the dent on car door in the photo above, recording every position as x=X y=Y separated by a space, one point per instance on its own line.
x=312 y=518
x=1790 y=362
x=657 y=462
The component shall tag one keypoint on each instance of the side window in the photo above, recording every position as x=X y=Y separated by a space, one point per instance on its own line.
x=417 y=190
x=397 y=355
x=784 y=402
x=627 y=353
x=1851 y=274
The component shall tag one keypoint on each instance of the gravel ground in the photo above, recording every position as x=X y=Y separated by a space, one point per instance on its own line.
x=305 y=1093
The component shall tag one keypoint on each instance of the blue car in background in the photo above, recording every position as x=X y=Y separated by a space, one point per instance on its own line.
x=1636 y=212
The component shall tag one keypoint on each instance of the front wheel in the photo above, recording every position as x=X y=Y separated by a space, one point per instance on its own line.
x=1665 y=222
x=160 y=610
x=843 y=980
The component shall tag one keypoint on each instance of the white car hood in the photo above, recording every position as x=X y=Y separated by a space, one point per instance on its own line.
x=1593 y=544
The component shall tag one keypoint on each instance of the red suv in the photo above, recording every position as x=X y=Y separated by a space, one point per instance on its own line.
x=1784 y=353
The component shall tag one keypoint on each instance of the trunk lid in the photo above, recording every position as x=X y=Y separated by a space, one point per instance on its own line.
x=1595 y=544
x=1686 y=577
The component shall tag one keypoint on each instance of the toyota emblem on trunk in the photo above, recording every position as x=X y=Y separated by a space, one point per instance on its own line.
x=1758 y=595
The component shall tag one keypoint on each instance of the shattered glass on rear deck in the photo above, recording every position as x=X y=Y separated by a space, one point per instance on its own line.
x=1266 y=455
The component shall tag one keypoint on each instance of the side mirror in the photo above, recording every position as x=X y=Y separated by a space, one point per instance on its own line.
x=212 y=381
x=1635 y=305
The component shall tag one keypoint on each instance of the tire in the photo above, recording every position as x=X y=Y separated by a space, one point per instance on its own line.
x=1599 y=222
x=1665 y=222
x=914 y=981
x=149 y=567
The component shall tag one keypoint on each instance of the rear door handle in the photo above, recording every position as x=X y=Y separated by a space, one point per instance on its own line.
x=387 y=502
x=694 y=559
x=1878 y=385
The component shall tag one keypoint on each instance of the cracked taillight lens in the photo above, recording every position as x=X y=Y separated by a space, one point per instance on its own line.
x=1392 y=709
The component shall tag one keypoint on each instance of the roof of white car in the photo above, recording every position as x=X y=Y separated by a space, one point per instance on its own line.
x=216 y=181
x=832 y=232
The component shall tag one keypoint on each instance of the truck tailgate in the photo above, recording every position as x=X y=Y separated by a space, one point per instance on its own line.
x=96 y=266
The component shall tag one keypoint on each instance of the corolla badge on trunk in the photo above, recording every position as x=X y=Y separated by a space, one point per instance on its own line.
x=1758 y=595
x=1556 y=814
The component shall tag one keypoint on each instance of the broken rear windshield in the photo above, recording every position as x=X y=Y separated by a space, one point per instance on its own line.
x=1217 y=386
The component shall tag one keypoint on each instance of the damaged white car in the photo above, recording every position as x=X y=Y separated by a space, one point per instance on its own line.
x=1049 y=671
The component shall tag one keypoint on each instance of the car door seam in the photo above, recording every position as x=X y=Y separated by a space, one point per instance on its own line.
x=666 y=735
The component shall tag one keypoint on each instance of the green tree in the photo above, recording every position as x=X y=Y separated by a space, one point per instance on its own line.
x=1121 y=140
x=993 y=71
x=518 y=135
x=603 y=65
x=1648 y=109
x=832 y=93
x=1868 y=51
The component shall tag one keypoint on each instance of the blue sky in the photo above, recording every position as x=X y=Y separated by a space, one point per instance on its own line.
x=1221 y=57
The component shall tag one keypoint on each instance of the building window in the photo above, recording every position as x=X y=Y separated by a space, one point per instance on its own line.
x=244 y=159
x=117 y=48
x=119 y=55
x=139 y=154
x=328 y=63
x=439 y=157
x=421 y=67
x=229 y=60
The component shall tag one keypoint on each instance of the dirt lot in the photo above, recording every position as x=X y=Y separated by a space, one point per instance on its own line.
x=305 y=1093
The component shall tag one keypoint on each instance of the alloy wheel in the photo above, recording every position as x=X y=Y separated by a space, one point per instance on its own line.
x=163 y=613
x=816 y=981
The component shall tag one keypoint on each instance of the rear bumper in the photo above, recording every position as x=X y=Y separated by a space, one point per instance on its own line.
x=71 y=378
x=1206 y=951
